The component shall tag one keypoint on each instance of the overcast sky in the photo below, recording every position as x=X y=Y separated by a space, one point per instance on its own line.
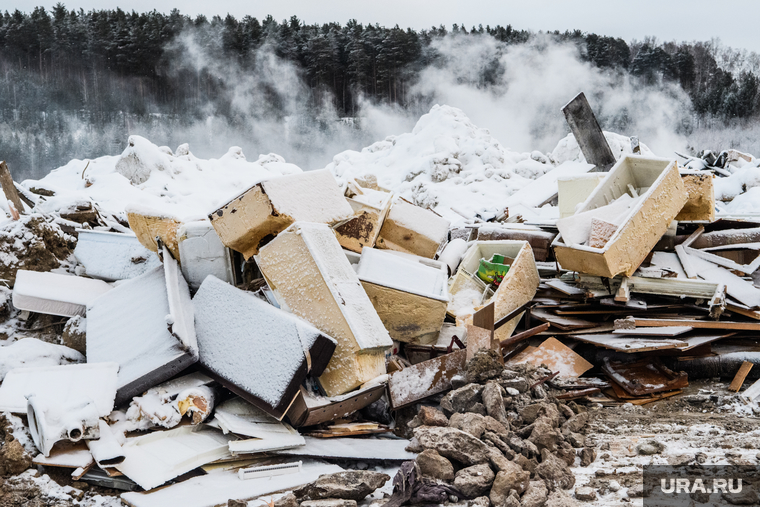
x=733 y=21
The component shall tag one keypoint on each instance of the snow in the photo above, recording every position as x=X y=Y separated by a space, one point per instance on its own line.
x=313 y=196
x=34 y=352
x=406 y=273
x=159 y=406
x=111 y=256
x=263 y=363
x=181 y=185
x=54 y=294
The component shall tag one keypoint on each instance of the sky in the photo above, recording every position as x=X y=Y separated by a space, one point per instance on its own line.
x=680 y=20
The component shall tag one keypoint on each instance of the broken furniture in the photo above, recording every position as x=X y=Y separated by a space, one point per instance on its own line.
x=574 y=190
x=146 y=326
x=148 y=224
x=408 y=292
x=310 y=409
x=413 y=229
x=467 y=291
x=253 y=218
x=113 y=256
x=54 y=294
x=264 y=432
x=203 y=254
x=62 y=402
x=311 y=277
x=370 y=209
x=657 y=186
x=257 y=351
x=700 y=205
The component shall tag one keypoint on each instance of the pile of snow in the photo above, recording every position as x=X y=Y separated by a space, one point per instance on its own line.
x=145 y=175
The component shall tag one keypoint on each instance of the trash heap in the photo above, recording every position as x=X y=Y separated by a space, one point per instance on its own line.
x=317 y=336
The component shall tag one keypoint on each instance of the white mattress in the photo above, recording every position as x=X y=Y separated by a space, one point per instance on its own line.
x=55 y=294
x=113 y=256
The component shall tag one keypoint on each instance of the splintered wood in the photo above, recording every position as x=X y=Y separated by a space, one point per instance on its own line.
x=741 y=375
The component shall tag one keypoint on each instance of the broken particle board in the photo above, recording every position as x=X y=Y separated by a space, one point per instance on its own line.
x=557 y=356
x=412 y=229
x=700 y=205
x=562 y=322
x=654 y=331
x=408 y=292
x=644 y=376
x=146 y=326
x=267 y=367
x=628 y=345
x=425 y=379
x=306 y=259
x=251 y=219
x=370 y=209
x=736 y=287
x=149 y=225
x=54 y=294
x=662 y=196
x=310 y=410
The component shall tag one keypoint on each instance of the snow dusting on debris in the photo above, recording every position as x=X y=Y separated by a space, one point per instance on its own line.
x=29 y=352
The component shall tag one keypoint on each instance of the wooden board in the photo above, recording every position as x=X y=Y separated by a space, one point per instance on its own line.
x=425 y=379
x=588 y=133
x=629 y=345
x=561 y=322
x=565 y=288
x=645 y=376
x=740 y=377
x=557 y=357
x=752 y=314
x=699 y=324
x=654 y=331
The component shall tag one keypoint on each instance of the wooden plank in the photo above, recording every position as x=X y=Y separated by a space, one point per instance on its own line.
x=629 y=345
x=752 y=314
x=699 y=324
x=557 y=356
x=9 y=188
x=425 y=379
x=565 y=288
x=685 y=258
x=563 y=323
x=738 y=288
x=654 y=331
x=623 y=293
x=515 y=339
x=740 y=377
x=702 y=339
x=722 y=261
x=580 y=117
x=603 y=328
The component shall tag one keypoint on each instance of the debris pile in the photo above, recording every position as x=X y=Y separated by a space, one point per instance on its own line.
x=320 y=332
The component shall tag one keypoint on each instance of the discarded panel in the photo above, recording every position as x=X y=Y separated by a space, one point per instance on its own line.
x=113 y=256
x=557 y=356
x=155 y=458
x=700 y=206
x=54 y=294
x=249 y=220
x=645 y=376
x=264 y=431
x=354 y=448
x=257 y=351
x=129 y=325
x=370 y=209
x=308 y=410
x=540 y=240
x=149 y=225
x=413 y=229
x=203 y=254
x=306 y=258
x=588 y=133
x=628 y=345
x=408 y=292
x=425 y=379
x=662 y=193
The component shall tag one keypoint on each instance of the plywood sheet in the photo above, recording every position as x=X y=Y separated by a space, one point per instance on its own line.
x=557 y=357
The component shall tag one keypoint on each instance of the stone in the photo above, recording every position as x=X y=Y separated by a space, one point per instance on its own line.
x=460 y=400
x=329 y=502
x=236 y=503
x=494 y=402
x=485 y=365
x=512 y=391
x=474 y=481
x=498 y=460
x=544 y=436
x=74 y=334
x=13 y=458
x=555 y=473
x=479 y=409
x=514 y=478
x=495 y=426
x=453 y=444
x=348 y=485
x=650 y=447
x=529 y=465
x=565 y=411
x=635 y=491
x=560 y=498
x=535 y=495
x=576 y=440
x=585 y=494
x=473 y=424
x=588 y=456
x=566 y=453
x=518 y=384
x=576 y=423
x=481 y=501
x=434 y=465
x=532 y=412
x=747 y=496
x=287 y=500
x=539 y=392
x=496 y=441
x=429 y=416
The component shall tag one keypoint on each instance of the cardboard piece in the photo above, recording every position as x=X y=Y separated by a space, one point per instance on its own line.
x=370 y=209
x=659 y=184
x=556 y=356
x=250 y=220
x=146 y=326
x=113 y=256
x=54 y=294
x=311 y=277
x=265 y=367
x=413 y=229
x=408 y=292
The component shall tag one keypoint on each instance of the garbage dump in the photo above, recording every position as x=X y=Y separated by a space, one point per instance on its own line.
x=330 y=338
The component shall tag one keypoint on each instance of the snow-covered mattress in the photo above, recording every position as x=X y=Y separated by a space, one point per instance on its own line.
x=55 y=294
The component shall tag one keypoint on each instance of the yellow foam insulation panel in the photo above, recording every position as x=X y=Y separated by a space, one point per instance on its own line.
x=257 y=215
x=467 y=293
x=409 y=293
x=642 y=196
x=147 y=226
x=311 y=277
x=701 y=204
x=412 y=229
x=370 y=209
